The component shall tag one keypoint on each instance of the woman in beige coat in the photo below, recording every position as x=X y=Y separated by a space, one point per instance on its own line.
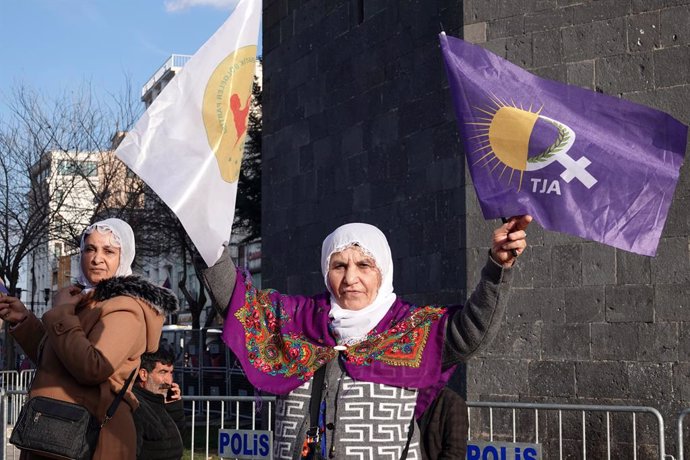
x=93 y=337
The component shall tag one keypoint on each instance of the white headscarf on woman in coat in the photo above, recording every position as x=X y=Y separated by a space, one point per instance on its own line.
x=122 y=237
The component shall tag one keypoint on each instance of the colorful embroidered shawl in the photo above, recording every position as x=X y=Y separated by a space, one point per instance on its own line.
x=281 y=340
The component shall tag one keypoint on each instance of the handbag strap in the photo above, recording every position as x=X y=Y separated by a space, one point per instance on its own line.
x=315 y=403
x=116 y=402
x=313 y=437
x=410 y=433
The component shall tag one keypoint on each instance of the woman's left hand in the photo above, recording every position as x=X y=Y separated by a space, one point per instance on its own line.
x=66 y=299
x=509 y=240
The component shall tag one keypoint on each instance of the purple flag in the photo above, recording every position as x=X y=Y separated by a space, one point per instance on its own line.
x=579 y=162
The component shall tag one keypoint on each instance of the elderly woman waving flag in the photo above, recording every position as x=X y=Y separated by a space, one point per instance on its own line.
x=354 y=365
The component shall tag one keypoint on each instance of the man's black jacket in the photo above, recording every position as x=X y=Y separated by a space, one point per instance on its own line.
x=159 y=426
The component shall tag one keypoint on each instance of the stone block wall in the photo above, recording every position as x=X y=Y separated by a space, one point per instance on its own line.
x=589 y=323
x=358 y=126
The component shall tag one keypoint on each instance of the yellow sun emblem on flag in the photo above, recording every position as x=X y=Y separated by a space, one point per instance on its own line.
x=504 y=133
x=225 y=109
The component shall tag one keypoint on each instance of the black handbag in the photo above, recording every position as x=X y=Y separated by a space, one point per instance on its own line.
x=60 y=429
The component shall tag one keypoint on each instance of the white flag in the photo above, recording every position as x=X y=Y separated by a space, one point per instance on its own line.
x=188 y=145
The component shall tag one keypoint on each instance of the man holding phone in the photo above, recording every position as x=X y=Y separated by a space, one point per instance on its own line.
x=159 y=419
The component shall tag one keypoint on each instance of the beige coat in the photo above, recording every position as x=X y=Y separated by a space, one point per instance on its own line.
x=86 y=357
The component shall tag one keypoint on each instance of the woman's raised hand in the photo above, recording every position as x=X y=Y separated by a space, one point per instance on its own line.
x=510 y=240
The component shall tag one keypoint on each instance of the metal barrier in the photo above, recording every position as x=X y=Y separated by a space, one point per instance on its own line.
x=681 y=417
x=15 y=383
x=215 y=412
x=533 y=410
x=527 y=422
x=25 y=378
x=221 y=415
x=10 y=401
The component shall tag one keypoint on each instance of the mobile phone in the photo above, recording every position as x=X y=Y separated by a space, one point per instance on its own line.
x=169 y=394
x=3 y=289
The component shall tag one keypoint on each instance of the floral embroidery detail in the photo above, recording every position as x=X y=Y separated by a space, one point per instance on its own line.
x=270 y=351
x=402 y=344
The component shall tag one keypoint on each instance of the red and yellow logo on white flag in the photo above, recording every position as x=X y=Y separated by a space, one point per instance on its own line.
x=188 y=145
x=225 y=109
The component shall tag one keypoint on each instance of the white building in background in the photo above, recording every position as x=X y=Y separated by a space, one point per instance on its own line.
x=70 y=179
x=162 y=77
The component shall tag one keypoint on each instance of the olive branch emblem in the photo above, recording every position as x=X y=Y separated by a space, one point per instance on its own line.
x=557 y=146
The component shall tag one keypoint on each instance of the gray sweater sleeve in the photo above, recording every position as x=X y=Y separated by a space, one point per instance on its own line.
x=473 y=327
x=220 y=282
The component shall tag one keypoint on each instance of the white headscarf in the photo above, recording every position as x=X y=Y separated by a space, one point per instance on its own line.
x=122 y=237
x=352 y=326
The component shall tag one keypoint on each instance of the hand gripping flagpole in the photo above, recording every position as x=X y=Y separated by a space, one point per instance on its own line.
x=512 y=251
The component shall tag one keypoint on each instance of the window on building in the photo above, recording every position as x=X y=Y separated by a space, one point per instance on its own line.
x=77 y=168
